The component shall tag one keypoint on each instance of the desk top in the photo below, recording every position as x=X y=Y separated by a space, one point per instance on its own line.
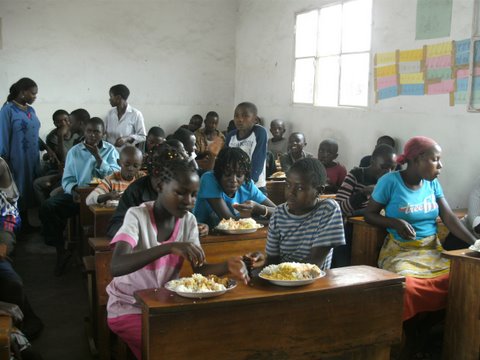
x=103 y=243
x=464 y=254
x=100 y=243
x=100 y=210
x=361 y=220
x=359 y=277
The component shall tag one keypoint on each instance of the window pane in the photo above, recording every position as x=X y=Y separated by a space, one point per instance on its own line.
x=305 y=34
x=354 y=79
x=357 y=23
x=304 y=80
x=330 y=30
x=327 y=81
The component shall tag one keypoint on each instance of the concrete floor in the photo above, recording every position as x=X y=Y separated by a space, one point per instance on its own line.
x=61 y=302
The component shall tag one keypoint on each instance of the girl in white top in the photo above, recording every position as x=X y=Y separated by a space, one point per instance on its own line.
x=154 y=240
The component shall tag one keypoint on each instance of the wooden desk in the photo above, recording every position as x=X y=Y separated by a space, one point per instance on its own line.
x=101 y=218
x=352 y=313
x=5 y=332
x=367 y=240
x=462 y=327
x=103 y=276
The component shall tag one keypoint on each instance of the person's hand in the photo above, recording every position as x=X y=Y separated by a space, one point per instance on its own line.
x=189 y=251
x=62 y=130
x=404 y=229
x=215 y=146
x=114 y=195
x=202 y=229
x=120 y=142
x=367 y=190
x=254 y=260
x=248 y=208
x=93 y=150
x=238 y=269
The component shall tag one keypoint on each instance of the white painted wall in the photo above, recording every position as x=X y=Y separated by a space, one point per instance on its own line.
x=177 y=57
x=264 y=72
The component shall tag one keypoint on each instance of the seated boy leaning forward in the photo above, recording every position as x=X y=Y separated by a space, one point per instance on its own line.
x=385 y=140
x=357 y=187
x=252 y=139
x=91 y=158
x=327 y=153
x=296 y=144
x=59 y=140
x=277 y=144
x=140 y=191
x=113 y=186
x=305 y=228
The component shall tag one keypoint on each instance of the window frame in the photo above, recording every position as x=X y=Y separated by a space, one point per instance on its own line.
x=316 y=58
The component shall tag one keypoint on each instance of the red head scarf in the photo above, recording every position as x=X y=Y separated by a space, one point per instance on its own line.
x=414 y=147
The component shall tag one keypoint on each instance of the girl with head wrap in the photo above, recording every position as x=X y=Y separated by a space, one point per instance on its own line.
x=413 y=199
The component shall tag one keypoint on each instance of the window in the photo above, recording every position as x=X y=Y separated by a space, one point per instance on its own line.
x=332 y=54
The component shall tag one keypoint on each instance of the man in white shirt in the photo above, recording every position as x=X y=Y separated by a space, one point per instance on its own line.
x=123 y=123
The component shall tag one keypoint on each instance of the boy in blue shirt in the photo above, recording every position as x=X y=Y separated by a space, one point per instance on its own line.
x=252 y=139
x=91 y=158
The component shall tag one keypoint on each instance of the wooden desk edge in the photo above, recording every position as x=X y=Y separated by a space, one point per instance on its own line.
x=100 y=243
x=466 y=254
x=148 y=297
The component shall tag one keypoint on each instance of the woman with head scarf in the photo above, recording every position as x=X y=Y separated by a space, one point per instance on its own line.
x=413 y=199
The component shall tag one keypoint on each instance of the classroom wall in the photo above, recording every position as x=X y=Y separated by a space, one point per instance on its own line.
x=264 y=73
x=177 y=57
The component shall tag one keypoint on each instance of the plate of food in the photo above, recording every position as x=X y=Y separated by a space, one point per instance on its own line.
x=95 y=181
x=198 y=286
x=475 y=247
x=240 y=226
x=278 y=176
x=291 y=274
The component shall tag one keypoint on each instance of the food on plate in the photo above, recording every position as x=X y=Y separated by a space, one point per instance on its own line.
x=476 y=246
x=198 y=283
x=240 y=224
x=95 y=180
x=291 y=271
x=278 y=174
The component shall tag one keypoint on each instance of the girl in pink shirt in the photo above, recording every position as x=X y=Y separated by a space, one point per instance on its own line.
x=154 y=240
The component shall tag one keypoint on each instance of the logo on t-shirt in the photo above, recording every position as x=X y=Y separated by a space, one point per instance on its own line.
x=429 y=204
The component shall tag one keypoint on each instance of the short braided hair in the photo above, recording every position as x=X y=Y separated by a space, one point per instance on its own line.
x=167 y=163
x=312 y=170
x=230 y=159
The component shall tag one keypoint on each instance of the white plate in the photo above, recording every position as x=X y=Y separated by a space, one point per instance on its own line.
x=199 y=295
x=473 y=248
x=240 y=231
x=293 y=282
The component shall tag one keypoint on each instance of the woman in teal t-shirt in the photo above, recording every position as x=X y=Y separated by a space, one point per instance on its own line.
x=413 y=199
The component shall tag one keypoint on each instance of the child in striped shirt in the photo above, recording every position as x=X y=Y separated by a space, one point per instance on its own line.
x=112 y=187
x=304 y=228
x=358 y=185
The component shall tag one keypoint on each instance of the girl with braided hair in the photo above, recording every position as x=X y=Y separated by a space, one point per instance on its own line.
x=229 y=192
x=153 y=242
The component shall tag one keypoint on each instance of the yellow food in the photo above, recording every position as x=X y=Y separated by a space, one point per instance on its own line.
x=278 y=174
x=241 y=224
x=95 y=180
x=291 y=271
x=198 y=283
